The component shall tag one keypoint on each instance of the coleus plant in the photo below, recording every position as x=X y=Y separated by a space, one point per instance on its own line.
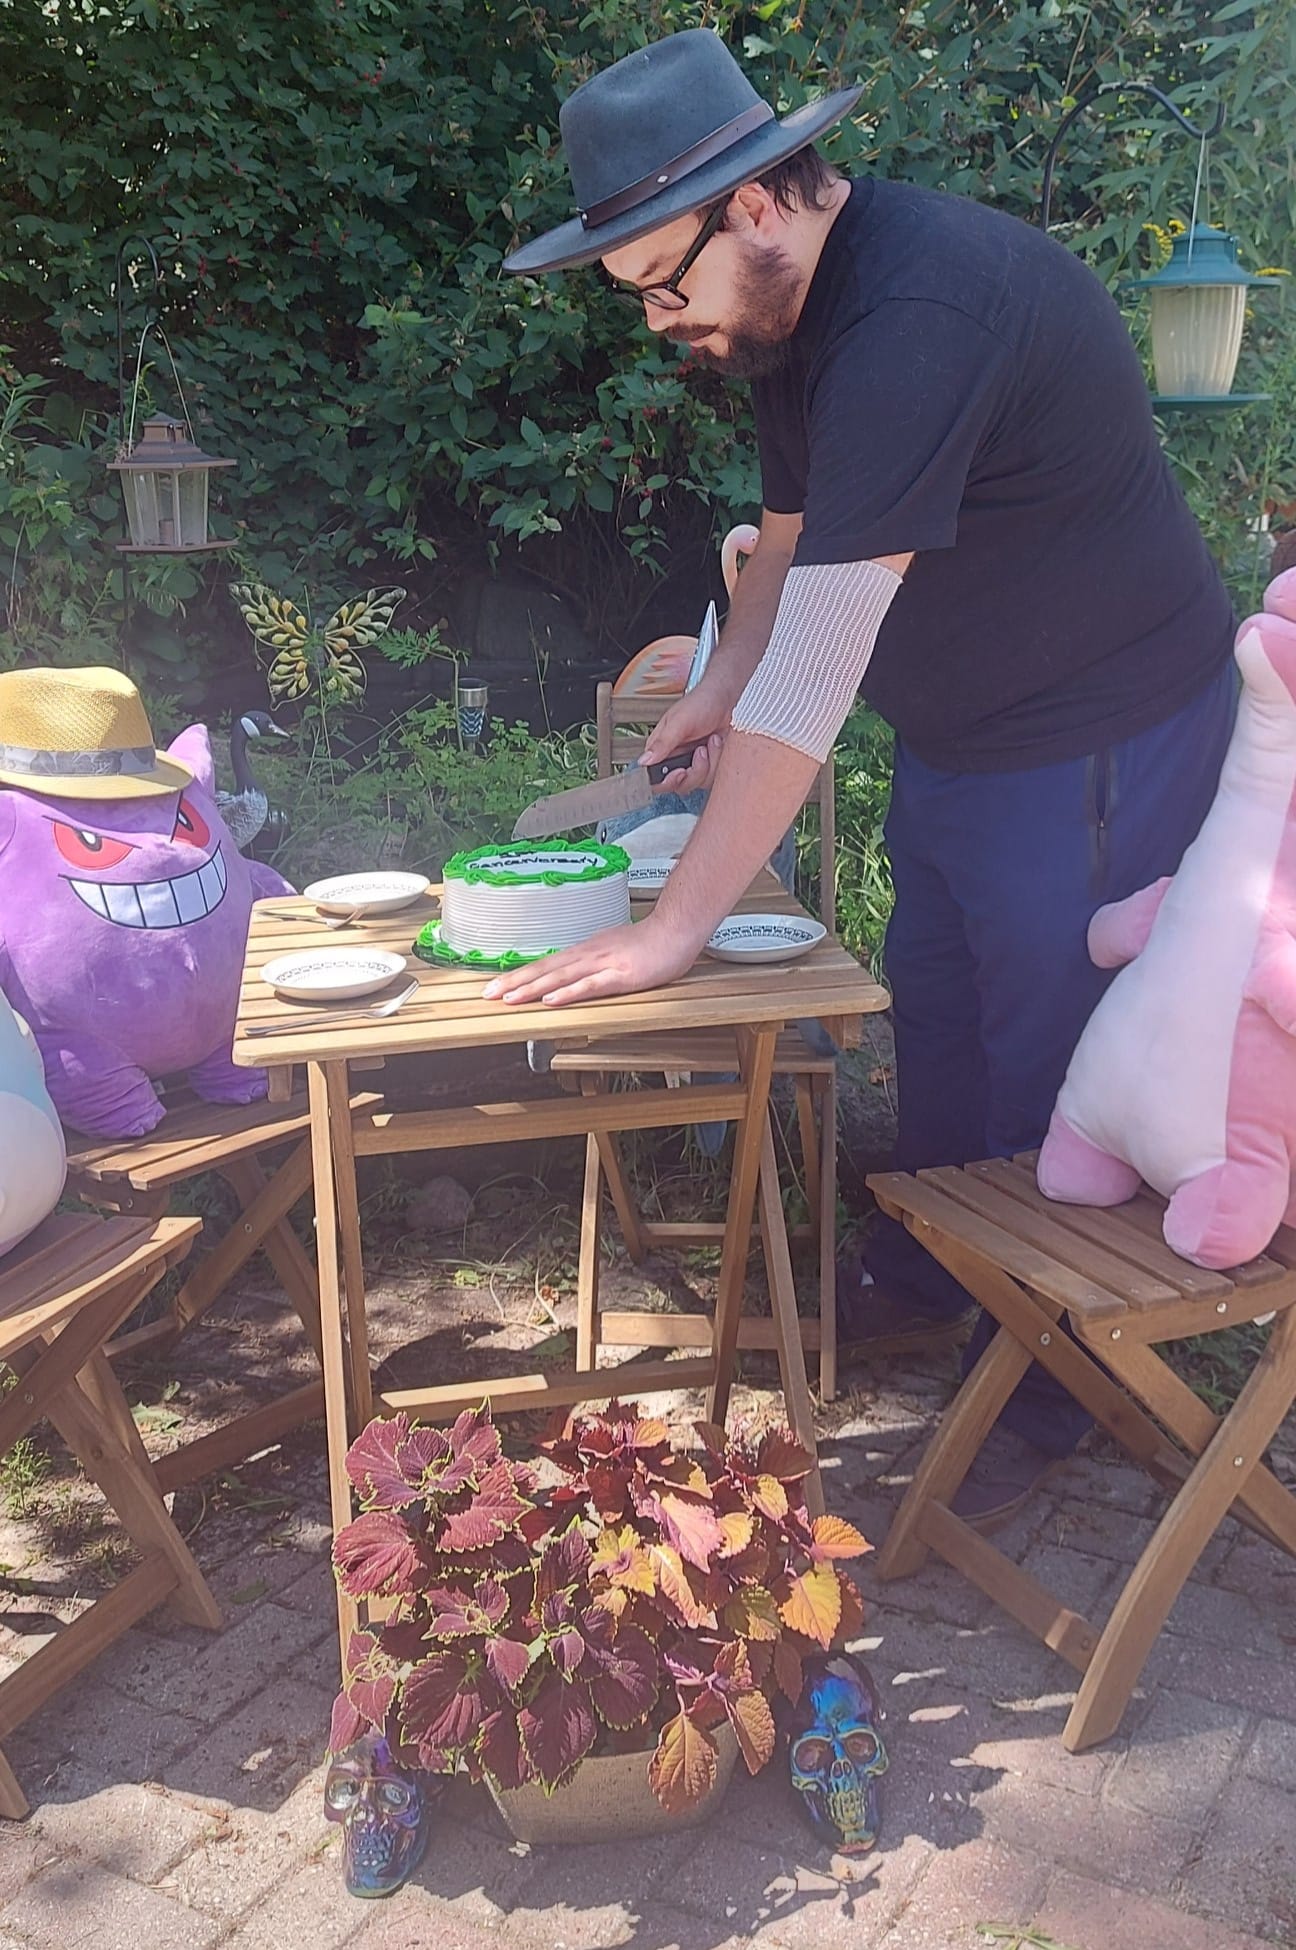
x=630 y=1596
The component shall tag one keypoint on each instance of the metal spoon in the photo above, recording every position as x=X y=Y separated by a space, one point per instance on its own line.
x=387 y=1007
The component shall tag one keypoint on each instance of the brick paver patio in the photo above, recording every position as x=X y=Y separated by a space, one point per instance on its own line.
x=177 y=1788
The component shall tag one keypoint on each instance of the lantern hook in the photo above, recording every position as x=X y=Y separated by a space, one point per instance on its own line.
x=1087 y=101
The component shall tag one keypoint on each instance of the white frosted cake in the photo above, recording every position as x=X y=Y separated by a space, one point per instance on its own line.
x=506 y=903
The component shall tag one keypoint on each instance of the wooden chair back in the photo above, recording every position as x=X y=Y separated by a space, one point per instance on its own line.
x=621 y=726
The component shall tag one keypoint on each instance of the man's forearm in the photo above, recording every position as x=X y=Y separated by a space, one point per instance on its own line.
x=760 y=785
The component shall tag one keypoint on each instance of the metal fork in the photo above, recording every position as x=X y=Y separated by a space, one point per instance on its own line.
x=331 y=921
x=387 y=1007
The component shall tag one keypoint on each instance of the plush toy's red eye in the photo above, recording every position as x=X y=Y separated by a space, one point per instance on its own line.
x=82 y=848
x=190 y=826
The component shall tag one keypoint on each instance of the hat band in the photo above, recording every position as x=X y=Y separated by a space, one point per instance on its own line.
x=126 y=760
x=679 y=166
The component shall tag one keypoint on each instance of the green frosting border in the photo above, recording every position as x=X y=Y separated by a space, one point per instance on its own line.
x=464 y=867
x=429 y=946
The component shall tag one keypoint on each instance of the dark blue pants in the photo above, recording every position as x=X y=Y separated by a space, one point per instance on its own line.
x=996 y=878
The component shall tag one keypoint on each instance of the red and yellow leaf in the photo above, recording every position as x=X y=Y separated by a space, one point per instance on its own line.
x=692 y=1527
x=781 y=1455
x=557 y=1728
x=752 y=1721
x=682 y=1770
x=676 y=1587
x=813 y=1605
x=834 y=1537
x=375 y=1555
x=736 y=1532
x=752 y=1614
x=345 y=1725
x=770 y=1498
x=851 y=1622
x=787 y=1670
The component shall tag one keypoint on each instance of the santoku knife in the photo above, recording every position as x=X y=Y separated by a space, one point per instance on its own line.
x=583 y=805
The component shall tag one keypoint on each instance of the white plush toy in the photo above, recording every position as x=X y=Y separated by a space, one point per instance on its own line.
x=33 y=1165
x=1186 y=1073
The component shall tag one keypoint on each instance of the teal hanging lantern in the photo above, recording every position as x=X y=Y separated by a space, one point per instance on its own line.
x=1198 y=309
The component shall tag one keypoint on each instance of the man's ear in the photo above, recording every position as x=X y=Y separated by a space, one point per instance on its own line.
x=752 y=210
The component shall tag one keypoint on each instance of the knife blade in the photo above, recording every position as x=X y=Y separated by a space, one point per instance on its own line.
x=583 y=805
x=708 y=637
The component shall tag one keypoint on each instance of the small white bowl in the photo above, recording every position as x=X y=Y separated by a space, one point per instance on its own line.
x=372 y=893
x=765 y=937
x=332 y=974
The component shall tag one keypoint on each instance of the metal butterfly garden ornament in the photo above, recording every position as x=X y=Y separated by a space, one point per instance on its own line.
x=305 y=657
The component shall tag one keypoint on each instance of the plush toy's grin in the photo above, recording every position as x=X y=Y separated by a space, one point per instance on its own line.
x=156 y=903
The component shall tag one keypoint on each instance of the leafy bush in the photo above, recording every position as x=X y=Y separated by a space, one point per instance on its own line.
x=642 y=1599
x=332 y=185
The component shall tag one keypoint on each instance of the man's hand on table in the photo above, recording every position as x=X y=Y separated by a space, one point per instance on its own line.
x=620 y=961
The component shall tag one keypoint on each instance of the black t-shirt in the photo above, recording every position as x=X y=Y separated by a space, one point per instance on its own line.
x=961 y=386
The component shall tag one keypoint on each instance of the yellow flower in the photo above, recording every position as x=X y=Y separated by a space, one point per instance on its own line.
x=1176 y=226
x=1272 y=271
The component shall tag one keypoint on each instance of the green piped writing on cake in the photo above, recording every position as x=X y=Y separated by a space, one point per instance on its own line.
x=474 y=869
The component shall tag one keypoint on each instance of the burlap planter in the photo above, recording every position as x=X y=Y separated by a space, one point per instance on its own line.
x=609 y=1798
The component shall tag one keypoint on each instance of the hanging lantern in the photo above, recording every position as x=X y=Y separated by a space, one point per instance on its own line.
x=164 y=480
x=1198 y=308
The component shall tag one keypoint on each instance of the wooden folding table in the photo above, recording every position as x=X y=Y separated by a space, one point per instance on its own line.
x=449 y=1013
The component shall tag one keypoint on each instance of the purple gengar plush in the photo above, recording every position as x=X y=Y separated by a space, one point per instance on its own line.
x=122 y=929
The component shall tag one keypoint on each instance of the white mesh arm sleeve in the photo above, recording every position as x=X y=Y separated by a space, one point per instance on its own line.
x=824 y=632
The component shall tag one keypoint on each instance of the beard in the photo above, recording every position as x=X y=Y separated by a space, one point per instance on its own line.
x=767 y=304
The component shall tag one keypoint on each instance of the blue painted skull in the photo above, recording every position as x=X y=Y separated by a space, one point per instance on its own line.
x=835 y=1753
x=384 y=1815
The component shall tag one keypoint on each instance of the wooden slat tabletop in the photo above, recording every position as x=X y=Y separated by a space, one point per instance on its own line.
x=449 y=1010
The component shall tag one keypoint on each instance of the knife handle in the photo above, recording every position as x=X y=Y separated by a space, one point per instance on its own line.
x=677 y=762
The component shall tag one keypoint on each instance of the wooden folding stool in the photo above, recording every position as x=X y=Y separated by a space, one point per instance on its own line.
x=620 y=725
x=1030 y=1262
x=136 y=1176
x=63 y=1293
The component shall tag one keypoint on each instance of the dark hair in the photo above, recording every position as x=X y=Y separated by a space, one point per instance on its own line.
x=801 y=181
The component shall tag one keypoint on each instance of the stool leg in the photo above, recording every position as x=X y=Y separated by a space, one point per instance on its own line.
x=280 y=1243
x=953 y=1449
x=828 y=1239
x=587 y=1276
x=129 y=1487
x=778 y=1269
x=1181 y=1536
x=14 y=1805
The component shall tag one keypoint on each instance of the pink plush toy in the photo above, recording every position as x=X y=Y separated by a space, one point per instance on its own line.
x=1186 y=1073
x=124 y=904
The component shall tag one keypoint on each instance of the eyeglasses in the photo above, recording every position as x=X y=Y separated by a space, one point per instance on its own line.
x=667 y=294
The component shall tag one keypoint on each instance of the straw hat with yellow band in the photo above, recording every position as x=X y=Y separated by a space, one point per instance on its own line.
x=81 y=734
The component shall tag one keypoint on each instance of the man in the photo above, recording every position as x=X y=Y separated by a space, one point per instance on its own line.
x=967 y=514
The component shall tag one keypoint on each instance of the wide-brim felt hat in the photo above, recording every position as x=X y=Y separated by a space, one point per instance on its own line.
x=81 y=734
x=665 y=130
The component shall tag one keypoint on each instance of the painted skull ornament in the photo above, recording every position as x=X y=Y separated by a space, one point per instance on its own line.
x=835 y=1753
x=384 y=1814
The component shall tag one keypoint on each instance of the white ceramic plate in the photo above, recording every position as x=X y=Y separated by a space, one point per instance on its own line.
x=764 y=937
x=373 y=893
x=650 y=876
x=332 y=974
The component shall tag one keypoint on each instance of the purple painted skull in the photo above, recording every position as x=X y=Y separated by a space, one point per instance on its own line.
x=122 y=929
x=835 y=1753
x=384 y=1815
